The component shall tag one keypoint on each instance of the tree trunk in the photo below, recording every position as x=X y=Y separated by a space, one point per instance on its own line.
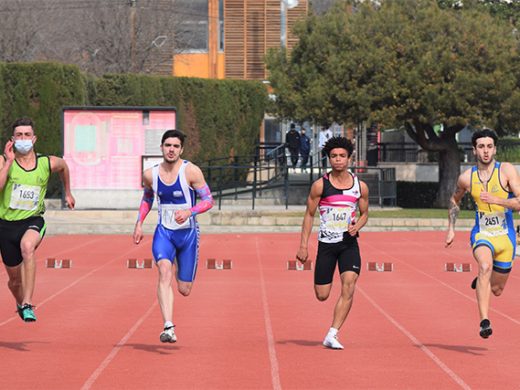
x=449 y=171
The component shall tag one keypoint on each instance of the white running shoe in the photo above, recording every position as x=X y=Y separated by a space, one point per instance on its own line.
x=168 y=335
x=332 y=342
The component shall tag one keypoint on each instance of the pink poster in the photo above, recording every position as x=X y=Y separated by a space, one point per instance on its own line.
x=104 y=147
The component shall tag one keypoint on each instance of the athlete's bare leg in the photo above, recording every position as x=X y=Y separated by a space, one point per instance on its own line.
x=322 y=291
x=498 y=282
x=484 y=258
x=344 y=303
x=164 y=289
x=184 y=287
x=30 y=241
x=15 y=283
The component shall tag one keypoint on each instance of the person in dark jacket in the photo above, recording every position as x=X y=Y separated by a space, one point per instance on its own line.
x=305 y=149
x=292 y=142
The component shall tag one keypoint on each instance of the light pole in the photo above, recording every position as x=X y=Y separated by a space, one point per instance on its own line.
x=284 y=6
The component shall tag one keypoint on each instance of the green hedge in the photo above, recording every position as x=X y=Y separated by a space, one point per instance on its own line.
x=421 y=195
x=39 y=91
x=220 y=117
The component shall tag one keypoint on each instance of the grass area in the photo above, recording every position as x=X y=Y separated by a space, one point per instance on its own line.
x=402 y=213
x=422 y=213
x=418 y=213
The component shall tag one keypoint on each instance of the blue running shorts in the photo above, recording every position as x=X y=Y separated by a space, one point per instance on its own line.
x=181 y=246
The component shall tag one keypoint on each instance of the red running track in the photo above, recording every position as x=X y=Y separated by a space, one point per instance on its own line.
x=258 y=326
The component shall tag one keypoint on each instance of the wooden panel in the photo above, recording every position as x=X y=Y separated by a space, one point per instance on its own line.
x=255 y=45
x=293 y=16
x=251 y=27
x=234 y=40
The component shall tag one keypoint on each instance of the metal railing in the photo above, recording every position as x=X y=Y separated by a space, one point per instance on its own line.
x=266 y=175
x=412 y=152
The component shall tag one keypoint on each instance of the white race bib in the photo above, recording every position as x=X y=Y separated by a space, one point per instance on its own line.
x=25 y=197
x=168 y=216
x=337 y=219
x=492 y=224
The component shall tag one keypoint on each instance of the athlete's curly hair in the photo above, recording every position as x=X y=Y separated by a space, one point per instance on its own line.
x=338 y=142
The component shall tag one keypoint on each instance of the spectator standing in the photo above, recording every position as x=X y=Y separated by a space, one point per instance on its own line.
x=292 y=142
x=305 y=149
x=324 y=136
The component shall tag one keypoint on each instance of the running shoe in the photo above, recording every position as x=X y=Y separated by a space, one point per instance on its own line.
x=474 y=283
x=332 y=342
x=19 y=310
x=485 y=329
x=168 y=335
x=27 y=312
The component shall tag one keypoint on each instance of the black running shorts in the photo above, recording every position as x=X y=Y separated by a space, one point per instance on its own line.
x=11 y=233
x=344 y=253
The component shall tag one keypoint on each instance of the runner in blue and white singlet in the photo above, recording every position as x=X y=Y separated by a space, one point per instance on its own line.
x=175 y=183
x=172 y=240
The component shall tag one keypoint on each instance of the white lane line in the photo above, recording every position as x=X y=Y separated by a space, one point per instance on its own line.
x=420 y=345
x=49 y=298
x=443 y=283
x=275 y=370
x=68 y=250
x=113 y=353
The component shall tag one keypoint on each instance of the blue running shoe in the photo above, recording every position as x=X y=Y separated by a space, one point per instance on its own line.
x=28 y=313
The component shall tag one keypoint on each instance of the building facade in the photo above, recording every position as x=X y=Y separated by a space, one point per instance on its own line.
x=239 y=34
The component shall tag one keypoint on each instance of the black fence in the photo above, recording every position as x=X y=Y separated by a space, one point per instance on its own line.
x=266 y=175
x=411 y=152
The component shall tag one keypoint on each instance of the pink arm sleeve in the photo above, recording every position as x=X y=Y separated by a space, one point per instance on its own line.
x=206 y=201
x=146 y=204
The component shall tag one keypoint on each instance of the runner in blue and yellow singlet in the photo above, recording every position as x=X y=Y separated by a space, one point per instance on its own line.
x=23 y=183
x=495 y=188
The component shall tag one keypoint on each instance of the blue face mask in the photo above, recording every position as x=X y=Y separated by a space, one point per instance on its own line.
x=23 y=146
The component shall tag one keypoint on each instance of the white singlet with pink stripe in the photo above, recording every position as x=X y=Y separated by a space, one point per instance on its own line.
x=338 y=209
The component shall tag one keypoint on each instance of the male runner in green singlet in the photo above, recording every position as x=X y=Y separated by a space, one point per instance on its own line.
x=23 y=183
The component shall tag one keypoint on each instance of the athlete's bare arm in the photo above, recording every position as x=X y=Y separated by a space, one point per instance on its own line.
x=353 y=229
x=60 y=166
x=5 y=162
x=463 y=185
x=195 y=179
x=312 y=204
x=509 y=176
x=145 y=206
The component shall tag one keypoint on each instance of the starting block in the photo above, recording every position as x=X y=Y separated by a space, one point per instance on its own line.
x=454 y=267
x=219 y=264
x=139 y=264
x=54 y=263
x=294 y=265
x=380 y=267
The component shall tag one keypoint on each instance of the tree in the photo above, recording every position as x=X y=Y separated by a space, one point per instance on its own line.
x=21 y=37
x=508 y=10
x=403 y=63
x=116 y=36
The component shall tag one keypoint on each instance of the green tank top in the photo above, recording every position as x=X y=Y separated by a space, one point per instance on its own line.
x=24 y=192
